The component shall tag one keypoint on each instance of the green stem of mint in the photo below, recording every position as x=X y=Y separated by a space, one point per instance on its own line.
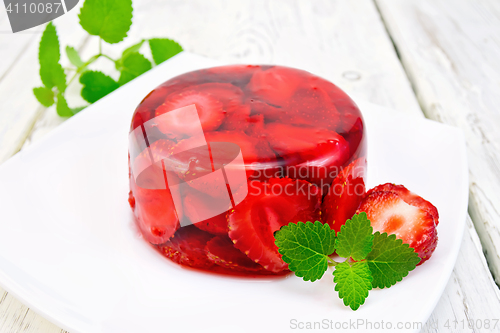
x=332 y=263
x=85 y=65
x=108 y=57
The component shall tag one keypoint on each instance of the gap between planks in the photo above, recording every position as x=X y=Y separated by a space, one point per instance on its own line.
x=476 y=217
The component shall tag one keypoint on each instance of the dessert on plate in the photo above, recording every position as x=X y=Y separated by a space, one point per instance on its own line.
x=222 y=158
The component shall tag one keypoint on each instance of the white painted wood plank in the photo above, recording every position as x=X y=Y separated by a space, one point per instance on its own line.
x=471 y=293
x=451 y=51
x=13 y=45
x=16 y=317
x=18 y=107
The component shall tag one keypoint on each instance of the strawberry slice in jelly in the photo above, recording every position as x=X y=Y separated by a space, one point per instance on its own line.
x=156 y=216
x=221 y=251
x=187 y=247
x=210 y=113
x=310 y=153
x=275 y=85
x=197 y=205
x=344 y=195
x=267 y=208
x=260 y=160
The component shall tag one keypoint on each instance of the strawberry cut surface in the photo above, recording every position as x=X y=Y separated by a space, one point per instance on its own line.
x=388 y=211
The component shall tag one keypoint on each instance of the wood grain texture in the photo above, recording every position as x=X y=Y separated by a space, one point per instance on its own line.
x=324 y=37
x=451 y=53
x=12 y=46
x=19 y=109
x=471 y=293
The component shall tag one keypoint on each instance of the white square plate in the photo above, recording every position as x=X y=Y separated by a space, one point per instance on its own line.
x=69 y=249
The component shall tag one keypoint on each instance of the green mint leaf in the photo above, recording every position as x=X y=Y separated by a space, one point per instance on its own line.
x=132 y=49
x=51 y=72
x=62 y=107
x=44 y=95
x=353 y=281
x=390 y=260
x=163 y=49
x=74 y=57
x=109 y=19
x=306 y=247
x=96 y=85
x=133 y=65
x=355 y=238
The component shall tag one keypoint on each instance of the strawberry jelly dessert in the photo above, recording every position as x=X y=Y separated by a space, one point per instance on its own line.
x=221 y=158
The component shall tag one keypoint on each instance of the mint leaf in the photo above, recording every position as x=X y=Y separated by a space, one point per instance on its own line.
x=96 y=85
x=353 y=281
x=132 y=49
x=390 y=260
x=62 y=107
x=51 y=72
x=355 y=238
x=305 y=247
x=74 y=57
x=44 y=95
x=163 y=49
x=133 y=65
x=109 y=19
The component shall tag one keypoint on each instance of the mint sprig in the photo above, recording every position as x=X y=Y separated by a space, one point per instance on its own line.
x=374 y=260
x=109 y=21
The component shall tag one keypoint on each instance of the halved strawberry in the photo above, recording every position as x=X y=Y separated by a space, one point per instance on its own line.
x=221 y=251
x=410 y=198
x=389 y=212
x=275 y=85
x=187 y=247
x=151 y=198
x=312 y=154
x=344 y=195
x=197 y=205
x=268 y=207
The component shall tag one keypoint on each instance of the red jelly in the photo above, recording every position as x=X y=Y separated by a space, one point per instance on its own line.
x=221 y=158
